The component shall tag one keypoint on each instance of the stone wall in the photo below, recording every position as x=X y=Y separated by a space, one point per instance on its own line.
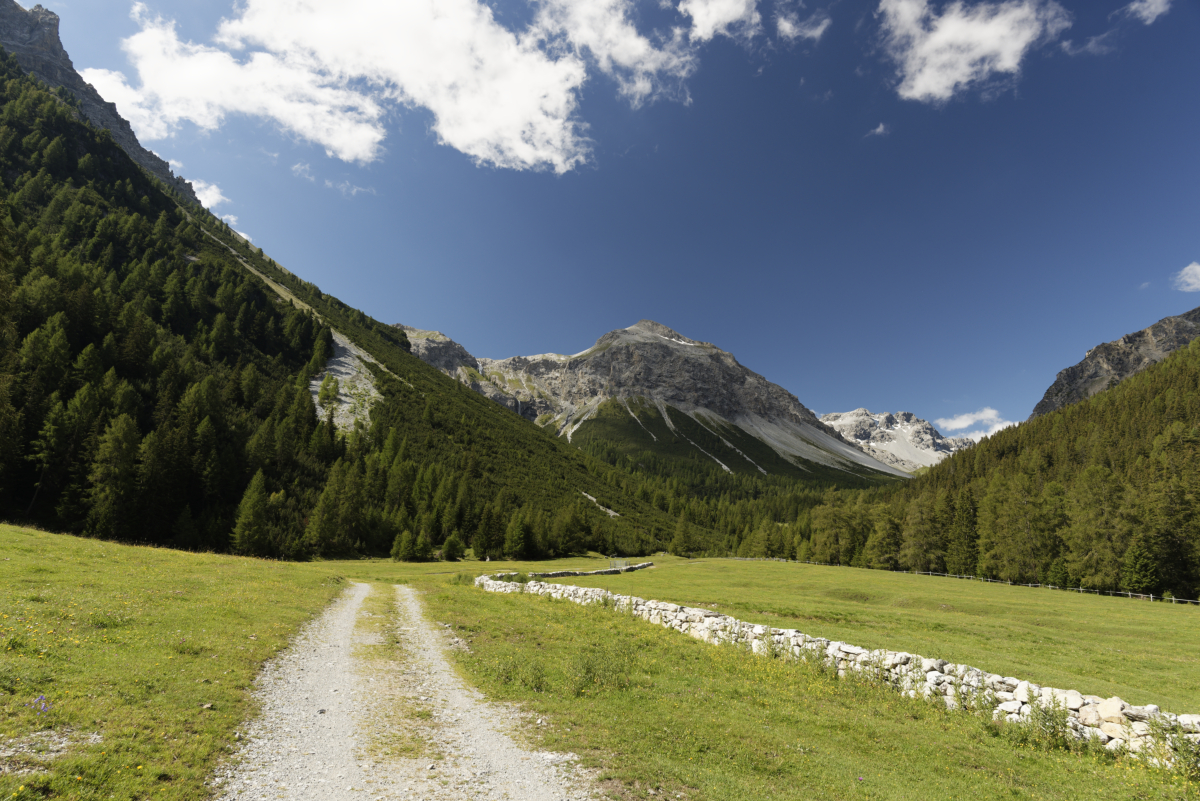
x=1111 y=721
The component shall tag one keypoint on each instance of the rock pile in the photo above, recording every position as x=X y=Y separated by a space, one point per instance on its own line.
x=1110 y=721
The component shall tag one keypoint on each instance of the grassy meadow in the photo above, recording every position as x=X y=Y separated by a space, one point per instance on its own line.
x=132 y=643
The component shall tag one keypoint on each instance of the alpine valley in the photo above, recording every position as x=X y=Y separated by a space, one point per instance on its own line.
x=163 y=380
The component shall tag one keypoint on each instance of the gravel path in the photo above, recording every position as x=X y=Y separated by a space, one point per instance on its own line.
x=340 y=721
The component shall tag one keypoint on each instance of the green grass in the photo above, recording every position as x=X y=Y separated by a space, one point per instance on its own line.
x=1143 y=652
x=129 y=643
x=656 y=710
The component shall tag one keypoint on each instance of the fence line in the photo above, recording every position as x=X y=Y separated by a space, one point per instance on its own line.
x=1114 y=593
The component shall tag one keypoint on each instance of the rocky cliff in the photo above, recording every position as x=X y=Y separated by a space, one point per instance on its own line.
x=901 y=440
x=32 y=36
x=1109 y=363
x=658 y=377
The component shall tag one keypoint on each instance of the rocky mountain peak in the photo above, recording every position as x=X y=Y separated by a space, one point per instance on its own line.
x=652 y=367
x=1111 y=362
x=902 y=440
x=659 y=330
x=32 y=36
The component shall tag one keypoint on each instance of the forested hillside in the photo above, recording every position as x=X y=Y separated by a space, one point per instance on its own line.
x=1102 y=494
x=154 y=388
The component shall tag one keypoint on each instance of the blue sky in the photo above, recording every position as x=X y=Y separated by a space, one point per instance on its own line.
x=897 y=204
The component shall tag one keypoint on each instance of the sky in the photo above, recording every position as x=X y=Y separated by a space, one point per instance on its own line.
x=894 y=204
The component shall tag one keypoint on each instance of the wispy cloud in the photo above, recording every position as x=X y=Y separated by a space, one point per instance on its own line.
x=1188 y=279
x=967 y=45
x=1147 y=10
x=303 y=170
x=1145 y=285
x=348 y=189
x=879 y=130
x=231 y=219
x=790 y=27
x=209 y=195
x=983 y=423
x=1094 y=46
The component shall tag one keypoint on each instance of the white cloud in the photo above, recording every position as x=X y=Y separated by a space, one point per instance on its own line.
x=1145 y=285
x=985 y=422
x=303 y=170
x=1188 y=279
x=230 y=218
x=734 y=18
x=208 y=194
x=1147 y=10
x=940 y=55
x=175 y=165
x=505 y=96
x=604 y=30
x=242 y=234
x=879 y=130
x=791 y=27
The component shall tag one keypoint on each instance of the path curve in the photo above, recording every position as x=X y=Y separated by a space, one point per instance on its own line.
x=321 y=706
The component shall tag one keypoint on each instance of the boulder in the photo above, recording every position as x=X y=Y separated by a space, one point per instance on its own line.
x=1115 y=744
x=1090 y=716
x=1190 y=723
x=1114 y=730
x=1112 y=710
x=1009 y=707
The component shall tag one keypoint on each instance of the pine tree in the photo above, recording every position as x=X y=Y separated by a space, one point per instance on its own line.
x=452 y=549
x=1139 y=572
x=113 y=479
x=681 y=543
x=517 y=537
x=404 y=549
x=251 y=531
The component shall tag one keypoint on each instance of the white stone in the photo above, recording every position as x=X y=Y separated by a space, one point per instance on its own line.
x=1115 y=744
x=1115 y=730
x=1002 y=696
x=1190 y=723
x=1089 y=716
x=1010 y=707
x=1023 y=691
x=1112 y=710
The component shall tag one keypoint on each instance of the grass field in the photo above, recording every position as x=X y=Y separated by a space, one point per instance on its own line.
x=132 y=643
x=1143 y=652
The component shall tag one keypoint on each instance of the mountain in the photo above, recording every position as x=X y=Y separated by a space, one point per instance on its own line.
x=32 y=36
x=648 y=388
x=1110 y=363
x=901 y=440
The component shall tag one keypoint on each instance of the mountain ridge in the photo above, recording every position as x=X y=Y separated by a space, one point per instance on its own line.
x=32 y=36
x=1111 y=362
x=653 y=362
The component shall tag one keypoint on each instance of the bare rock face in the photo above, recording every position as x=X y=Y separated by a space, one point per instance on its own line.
x=440 y=351
x=32 y=36
x=652 y=363
x=1106 y=365
x=901 y=440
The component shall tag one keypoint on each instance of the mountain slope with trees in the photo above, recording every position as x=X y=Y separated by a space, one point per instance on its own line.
x=1102 y=494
